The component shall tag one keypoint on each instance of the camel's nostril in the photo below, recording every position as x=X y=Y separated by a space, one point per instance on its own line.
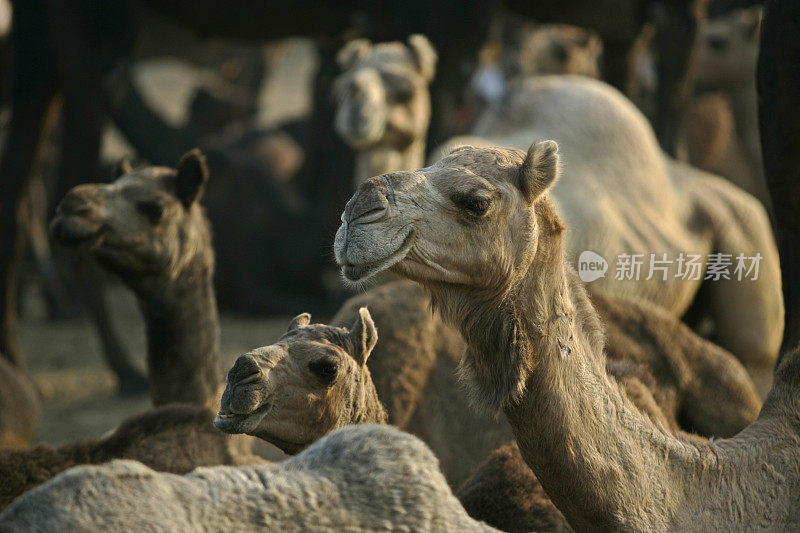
x=252 y=378
x=370 y=216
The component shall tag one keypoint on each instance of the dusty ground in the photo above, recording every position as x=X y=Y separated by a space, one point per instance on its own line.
x=64 y=357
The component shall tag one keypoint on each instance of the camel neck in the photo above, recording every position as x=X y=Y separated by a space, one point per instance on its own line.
x=536 y=352
x=383 y=159
x=183 y=354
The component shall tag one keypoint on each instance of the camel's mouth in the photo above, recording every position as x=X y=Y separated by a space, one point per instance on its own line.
x=72 y=231
x=360 y=272
x=230 y=422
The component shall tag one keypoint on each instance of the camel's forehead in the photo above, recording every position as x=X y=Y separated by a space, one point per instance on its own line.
x=387 y=55
x=147 y=179
x=316 y=337
x=498 y=165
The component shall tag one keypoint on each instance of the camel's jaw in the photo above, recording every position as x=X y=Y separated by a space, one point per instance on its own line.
x=363 y=265
x=230 y=422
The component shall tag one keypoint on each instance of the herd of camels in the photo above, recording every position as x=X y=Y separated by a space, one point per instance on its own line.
x=476 y=383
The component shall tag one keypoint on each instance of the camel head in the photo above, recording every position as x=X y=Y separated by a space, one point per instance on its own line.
x=558 y=49
x=729 y=50
x=146 y=223
x=312 y=381
x=382 y=93
x=470 y=219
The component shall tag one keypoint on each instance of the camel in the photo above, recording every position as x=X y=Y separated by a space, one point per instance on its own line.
x=556 y=49
x=701 y=388
x=478 y=231
x=661 y=207
x=726 y=66
x=365 y=477
x=383 y=103
x=313 y=380
x=173 y=438
x=20 y=407
x=149 y=229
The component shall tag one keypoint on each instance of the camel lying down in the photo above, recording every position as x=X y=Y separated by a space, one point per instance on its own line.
x=360 y=478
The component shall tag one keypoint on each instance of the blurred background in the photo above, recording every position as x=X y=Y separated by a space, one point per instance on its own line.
x=254 y=85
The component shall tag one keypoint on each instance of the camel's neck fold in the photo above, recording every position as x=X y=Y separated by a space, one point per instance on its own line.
x=183 y=353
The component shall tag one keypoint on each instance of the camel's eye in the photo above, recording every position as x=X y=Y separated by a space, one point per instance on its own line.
x=151 y=209
x=399 y=88
x=474 y=204
x=325 y=369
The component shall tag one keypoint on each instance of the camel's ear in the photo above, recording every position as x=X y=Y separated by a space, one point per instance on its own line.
x=424 y=55
x=364 y=336
x=352 y=52
x=299 y=321
x=539 y=170
x=192 y=177
x=122 y=167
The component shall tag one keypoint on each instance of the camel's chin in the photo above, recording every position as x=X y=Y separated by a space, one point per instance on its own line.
x=364 y=271
x=234 y=423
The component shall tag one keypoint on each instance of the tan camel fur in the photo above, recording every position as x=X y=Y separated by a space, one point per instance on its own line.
x=700 y=386
x=20 y=407
x=359 y=478
x=478 y=231
x=623 y=195
x=313 y=380
x=384 y=104
x=504 y=492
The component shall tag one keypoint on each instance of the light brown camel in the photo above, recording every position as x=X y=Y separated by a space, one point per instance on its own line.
x=622 y=195
x=313 y=380
x=478 y=231
x=149 y=229
x=173 y=438
x=384 y=105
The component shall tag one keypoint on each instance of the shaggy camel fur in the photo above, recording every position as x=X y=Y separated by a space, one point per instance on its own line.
x=175 y=438
x=700 y=387
x=478 y=231
x=660 y=207
x=313 y=380
x=149 y=229
x=360 y=478
x=384 y=105
x=20 y=408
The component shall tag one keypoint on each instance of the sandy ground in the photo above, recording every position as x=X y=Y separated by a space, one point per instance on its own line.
x=64 y=357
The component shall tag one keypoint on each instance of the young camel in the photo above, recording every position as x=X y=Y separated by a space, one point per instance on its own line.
x=360 y=478
x=384 y=105
x=478 y=231
x=313 y=380
x=149 y=229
